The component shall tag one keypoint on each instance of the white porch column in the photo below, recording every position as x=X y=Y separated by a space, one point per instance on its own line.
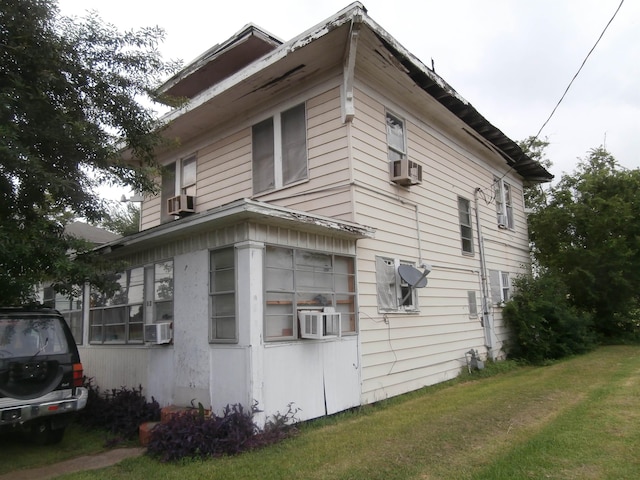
x=250 y=314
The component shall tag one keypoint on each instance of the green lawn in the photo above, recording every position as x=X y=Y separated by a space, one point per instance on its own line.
x=576 y=419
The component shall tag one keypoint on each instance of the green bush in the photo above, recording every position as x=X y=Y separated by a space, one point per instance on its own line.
x=543 y=323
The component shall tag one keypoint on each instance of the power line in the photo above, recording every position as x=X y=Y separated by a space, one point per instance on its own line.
x=578 y=72
x=535 y=137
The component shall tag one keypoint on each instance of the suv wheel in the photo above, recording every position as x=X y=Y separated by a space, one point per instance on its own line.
x=43 y=434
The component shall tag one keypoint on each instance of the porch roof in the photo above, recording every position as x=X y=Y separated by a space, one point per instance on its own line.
x=236 y=212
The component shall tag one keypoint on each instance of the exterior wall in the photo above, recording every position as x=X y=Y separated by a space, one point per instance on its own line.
x=319 y=376
x=224 y=162
x=405 y=351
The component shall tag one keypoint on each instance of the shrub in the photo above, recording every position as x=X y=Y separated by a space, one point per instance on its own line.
x=543 y=323
x=194 y=435
x=120 y=411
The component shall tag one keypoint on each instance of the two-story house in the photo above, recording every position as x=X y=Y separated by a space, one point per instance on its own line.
x=336 y=226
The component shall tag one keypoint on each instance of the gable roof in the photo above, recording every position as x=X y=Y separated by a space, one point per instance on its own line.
x=234 y=74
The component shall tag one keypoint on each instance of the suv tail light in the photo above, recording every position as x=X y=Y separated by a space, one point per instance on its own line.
x=77 y=374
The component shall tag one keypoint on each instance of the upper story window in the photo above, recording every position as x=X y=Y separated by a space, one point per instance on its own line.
x=504 y=204
x=394 y=293
x=396 y=138
x=466 y=231
x=299 y=280
x=279 y=146
x=178 y=178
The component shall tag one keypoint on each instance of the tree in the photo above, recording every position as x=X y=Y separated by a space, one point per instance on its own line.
x=534 y=148
x=70 y=102
x=122 y=221
x=588 y=235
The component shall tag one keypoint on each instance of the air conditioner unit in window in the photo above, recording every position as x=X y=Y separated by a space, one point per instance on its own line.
x=158 y=333
x=502 y=221
x=405 y=172
x=317 y=324
x=180 y=204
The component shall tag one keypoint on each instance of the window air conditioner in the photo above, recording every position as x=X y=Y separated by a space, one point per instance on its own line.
x=405 y=172
x=158 y=333
x=316 y=324
x=180 y=204
x=502 y=221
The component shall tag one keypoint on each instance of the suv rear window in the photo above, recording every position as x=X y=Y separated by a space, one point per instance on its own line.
x=28 y=337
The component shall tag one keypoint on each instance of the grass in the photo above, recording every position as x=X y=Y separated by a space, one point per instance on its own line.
x=17 y=452
x=575 y=419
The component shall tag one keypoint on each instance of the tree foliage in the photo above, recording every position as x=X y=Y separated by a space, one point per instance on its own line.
x=588 y=235
x=70 y=102
x=123 y=221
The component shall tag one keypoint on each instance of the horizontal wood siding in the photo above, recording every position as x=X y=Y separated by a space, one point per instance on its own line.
x=401 y=352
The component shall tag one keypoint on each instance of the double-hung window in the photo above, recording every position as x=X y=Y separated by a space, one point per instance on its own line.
x=222 y=294
x=279 y=150
x=504 y=203
x=394 y=293
x=306 y=280
x=396 y=138
x=178 y=178
x=162 y=281
x=466 y=231
x=500 y=286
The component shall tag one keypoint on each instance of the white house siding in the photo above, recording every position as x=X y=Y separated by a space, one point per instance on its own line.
x=402 y=352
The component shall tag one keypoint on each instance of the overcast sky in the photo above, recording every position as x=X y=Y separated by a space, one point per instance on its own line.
x=511 y=59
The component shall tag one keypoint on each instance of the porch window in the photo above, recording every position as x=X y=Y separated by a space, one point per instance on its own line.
x=69 y=306
x=302 y=279
x=466 y=231
x=394 y=294
x=222 y=293
x=162 y=291
x=279 y=146
x=118 y=317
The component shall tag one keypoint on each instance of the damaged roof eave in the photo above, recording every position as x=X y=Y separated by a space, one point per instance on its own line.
x=239 y=211
x=354 y=12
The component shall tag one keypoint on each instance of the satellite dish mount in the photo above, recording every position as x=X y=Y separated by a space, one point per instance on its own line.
x=414 y=277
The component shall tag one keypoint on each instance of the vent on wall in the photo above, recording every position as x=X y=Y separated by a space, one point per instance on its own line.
x=405 y=172
x=180 y=204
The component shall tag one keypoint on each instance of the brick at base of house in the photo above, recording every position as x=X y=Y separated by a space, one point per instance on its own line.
x=166 y=413
x=145 y=432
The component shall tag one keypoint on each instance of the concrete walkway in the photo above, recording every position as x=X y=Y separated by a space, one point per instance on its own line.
x=88 y=462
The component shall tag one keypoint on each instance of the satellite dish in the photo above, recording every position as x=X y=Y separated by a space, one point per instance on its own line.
x=414 y=277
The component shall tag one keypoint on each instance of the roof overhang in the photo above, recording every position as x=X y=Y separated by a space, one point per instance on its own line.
x=318 y=49
x=244 y=210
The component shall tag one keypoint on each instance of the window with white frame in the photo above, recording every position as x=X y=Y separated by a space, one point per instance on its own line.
x=504 y=203
x=298 y=280
x=70 y=306
x=222 y=295
x=396 y=138
x=472 y=303
x=162 y=273
x=466 y=231
x=394 y=293
x=500 y=286
x=119 y=317
x=178 y=178
x=279 y=150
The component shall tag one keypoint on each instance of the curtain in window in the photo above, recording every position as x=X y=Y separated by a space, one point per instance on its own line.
x=386 y=284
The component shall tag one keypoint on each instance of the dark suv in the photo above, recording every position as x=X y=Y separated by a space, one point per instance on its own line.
x=40 y=373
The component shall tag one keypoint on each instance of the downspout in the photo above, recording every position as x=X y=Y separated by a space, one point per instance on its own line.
x=487 y=320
